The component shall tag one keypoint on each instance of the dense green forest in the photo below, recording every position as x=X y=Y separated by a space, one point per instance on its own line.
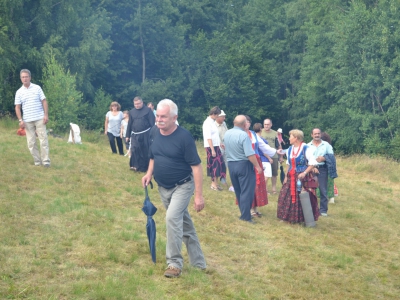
x=303 y=63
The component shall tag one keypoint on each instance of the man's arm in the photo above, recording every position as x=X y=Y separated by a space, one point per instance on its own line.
x=253 y=160
x=198 y=185
x=147 y=178
x=19 y=115
x=46 y=111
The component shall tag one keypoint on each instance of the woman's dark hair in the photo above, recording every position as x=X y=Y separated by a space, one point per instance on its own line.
x=257 y=127
x=325 y=137
x=214 y=111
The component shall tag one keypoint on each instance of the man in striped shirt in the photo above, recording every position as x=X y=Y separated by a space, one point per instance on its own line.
x=32 y=100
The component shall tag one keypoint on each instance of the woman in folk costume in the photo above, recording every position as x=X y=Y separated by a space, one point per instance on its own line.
x=301 y=161
x=260 y=195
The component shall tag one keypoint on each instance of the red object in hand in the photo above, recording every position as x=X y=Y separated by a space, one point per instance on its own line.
x=21 y=132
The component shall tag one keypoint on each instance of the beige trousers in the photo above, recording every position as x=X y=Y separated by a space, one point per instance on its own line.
x=33 y=128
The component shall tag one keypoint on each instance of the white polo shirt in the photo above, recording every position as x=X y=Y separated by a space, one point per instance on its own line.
x=30 y=100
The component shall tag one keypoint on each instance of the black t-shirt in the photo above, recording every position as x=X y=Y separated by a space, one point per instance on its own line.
x=173 y=156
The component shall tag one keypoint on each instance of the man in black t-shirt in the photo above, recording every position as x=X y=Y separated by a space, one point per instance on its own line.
x=177 y=169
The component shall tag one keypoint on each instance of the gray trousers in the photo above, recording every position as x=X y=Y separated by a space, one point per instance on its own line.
x=180 y=226
x=323 y=189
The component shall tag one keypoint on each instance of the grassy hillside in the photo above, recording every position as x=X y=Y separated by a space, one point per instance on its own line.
x=76 y=231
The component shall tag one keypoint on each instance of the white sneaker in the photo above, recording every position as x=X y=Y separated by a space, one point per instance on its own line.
x=324 y=214
x=231 y=189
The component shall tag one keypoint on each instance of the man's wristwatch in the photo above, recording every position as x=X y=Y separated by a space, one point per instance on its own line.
x=20 y=120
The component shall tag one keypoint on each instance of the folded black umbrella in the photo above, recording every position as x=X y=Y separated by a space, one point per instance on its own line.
x=282 y=174
x=149 y=209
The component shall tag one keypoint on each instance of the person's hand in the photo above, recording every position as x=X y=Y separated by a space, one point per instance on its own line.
x=270 y=160
x=320 y=159
x=213 y=154
x=284 y=181
x=198 y=203
x=45 y=119
x=259 y=170
x=22 y=124
x=281 y=151
x=302 y=175
x=127 y=139
x=146 y=180
x=105 y=132
x=223 y=146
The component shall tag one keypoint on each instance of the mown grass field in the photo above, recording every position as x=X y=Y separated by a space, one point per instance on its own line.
x=76 y=231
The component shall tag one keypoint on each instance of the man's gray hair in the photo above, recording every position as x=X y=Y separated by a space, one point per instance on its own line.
x=173 y=109
x=25 y=71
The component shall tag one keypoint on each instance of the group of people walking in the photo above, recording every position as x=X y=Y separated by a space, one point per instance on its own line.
x=250 y=156
x=168 y=153
x=134 y=128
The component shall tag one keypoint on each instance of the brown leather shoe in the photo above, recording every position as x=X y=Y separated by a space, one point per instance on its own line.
x=172 y=272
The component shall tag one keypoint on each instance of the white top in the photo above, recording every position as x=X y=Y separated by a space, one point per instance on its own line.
x=114 y=123
x=124 y=125
x=309 y=154
x=30 y=100
x=210 y=132
x=265 y=148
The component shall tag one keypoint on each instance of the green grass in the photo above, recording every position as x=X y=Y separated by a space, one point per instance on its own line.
x=76 y=231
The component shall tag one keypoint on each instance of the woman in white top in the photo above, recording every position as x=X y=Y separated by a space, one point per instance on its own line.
x=112 y=127
x=215 y=161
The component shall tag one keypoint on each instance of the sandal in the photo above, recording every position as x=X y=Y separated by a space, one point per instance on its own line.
x=253 y=214
x=258 y=214
x=214 y=188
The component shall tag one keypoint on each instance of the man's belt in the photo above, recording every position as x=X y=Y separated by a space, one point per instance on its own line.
x=141 y=131
x=184 y=180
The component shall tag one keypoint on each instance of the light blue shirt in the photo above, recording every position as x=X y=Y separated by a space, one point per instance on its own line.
x=237 y=145
x=321 y=150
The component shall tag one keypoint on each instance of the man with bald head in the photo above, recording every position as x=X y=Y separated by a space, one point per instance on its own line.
x=241 y=163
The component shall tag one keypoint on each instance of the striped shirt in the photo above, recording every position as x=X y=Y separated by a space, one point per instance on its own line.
x=30 y=100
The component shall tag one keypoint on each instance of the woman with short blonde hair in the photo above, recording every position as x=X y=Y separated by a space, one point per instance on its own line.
x=301 y=162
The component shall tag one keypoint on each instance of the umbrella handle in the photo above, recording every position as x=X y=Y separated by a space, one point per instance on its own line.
x=145 y=189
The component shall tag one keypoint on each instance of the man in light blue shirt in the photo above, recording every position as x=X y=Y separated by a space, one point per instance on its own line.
x=320 y=149
x=241 y=163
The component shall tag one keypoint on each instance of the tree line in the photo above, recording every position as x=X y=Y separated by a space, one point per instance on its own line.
x=333 y=64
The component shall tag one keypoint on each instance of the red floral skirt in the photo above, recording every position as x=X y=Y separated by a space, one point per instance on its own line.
x=293 y=212
x=260 y=192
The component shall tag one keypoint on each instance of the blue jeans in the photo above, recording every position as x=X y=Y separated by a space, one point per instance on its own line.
x=243 y=180
x=323 y=189
x=180 y=226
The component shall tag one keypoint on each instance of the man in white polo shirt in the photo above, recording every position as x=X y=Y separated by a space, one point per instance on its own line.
x=32 y=100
